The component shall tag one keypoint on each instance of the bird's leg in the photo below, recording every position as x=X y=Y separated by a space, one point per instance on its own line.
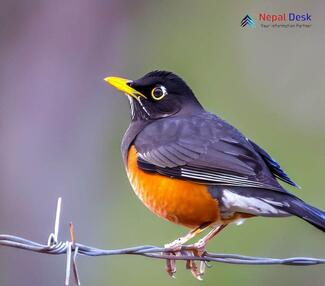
x=176 y=247
x=200 y=245
x=198 y=249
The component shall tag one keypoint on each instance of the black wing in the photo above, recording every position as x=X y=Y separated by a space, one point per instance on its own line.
x=205 y=149
x=274 y=166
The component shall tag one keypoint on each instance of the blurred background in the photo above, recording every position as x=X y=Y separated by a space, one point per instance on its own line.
x=61 y=128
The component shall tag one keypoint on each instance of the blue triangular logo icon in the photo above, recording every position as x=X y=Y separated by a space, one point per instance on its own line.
x=248 y=21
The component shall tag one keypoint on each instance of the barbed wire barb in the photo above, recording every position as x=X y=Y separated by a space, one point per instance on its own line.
x=71 y=249
x=53 y=237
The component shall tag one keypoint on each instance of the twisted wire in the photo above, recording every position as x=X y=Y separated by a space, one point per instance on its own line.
x=72 y=249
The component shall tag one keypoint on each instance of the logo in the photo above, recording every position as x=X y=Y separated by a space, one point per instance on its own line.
x=281 y=20
x=306 y=17
x=248 y=21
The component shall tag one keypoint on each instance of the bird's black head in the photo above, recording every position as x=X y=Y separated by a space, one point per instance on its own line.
x=156 y=95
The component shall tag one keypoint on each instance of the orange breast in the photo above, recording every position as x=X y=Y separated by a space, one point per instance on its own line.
x=182 y=202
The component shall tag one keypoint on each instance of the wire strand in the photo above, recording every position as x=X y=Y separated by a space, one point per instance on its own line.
x=72 y=249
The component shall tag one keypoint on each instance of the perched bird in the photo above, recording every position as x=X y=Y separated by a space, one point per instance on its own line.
x=192 y=168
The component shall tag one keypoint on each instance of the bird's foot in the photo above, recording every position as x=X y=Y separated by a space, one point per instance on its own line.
x=173 y=249
x=176 y=248
x=197 y=249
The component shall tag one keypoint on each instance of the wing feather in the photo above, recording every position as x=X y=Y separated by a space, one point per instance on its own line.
x=205 y=149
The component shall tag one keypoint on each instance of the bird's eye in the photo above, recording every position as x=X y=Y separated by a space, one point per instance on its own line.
x=158 y=92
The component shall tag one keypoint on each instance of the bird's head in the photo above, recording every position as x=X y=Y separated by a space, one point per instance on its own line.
x=156 y=95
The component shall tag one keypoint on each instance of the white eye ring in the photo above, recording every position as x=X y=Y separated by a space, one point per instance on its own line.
x=159 y=92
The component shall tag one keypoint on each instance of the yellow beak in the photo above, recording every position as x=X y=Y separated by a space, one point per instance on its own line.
x=122 y=85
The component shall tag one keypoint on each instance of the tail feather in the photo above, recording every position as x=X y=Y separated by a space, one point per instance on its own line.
x=248 y=200
x=313 y=215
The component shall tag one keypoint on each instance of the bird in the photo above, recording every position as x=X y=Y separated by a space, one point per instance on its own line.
x=194 y=169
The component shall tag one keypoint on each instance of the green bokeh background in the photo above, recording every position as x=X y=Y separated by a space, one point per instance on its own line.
x=269 y=83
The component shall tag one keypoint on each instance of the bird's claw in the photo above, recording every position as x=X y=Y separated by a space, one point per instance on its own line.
x=176 y=249
x=191 y=265
x=171 y=265
x=172 y=249
x=198 y=250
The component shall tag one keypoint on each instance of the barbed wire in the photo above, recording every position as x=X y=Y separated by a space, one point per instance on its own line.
x=72 y=249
